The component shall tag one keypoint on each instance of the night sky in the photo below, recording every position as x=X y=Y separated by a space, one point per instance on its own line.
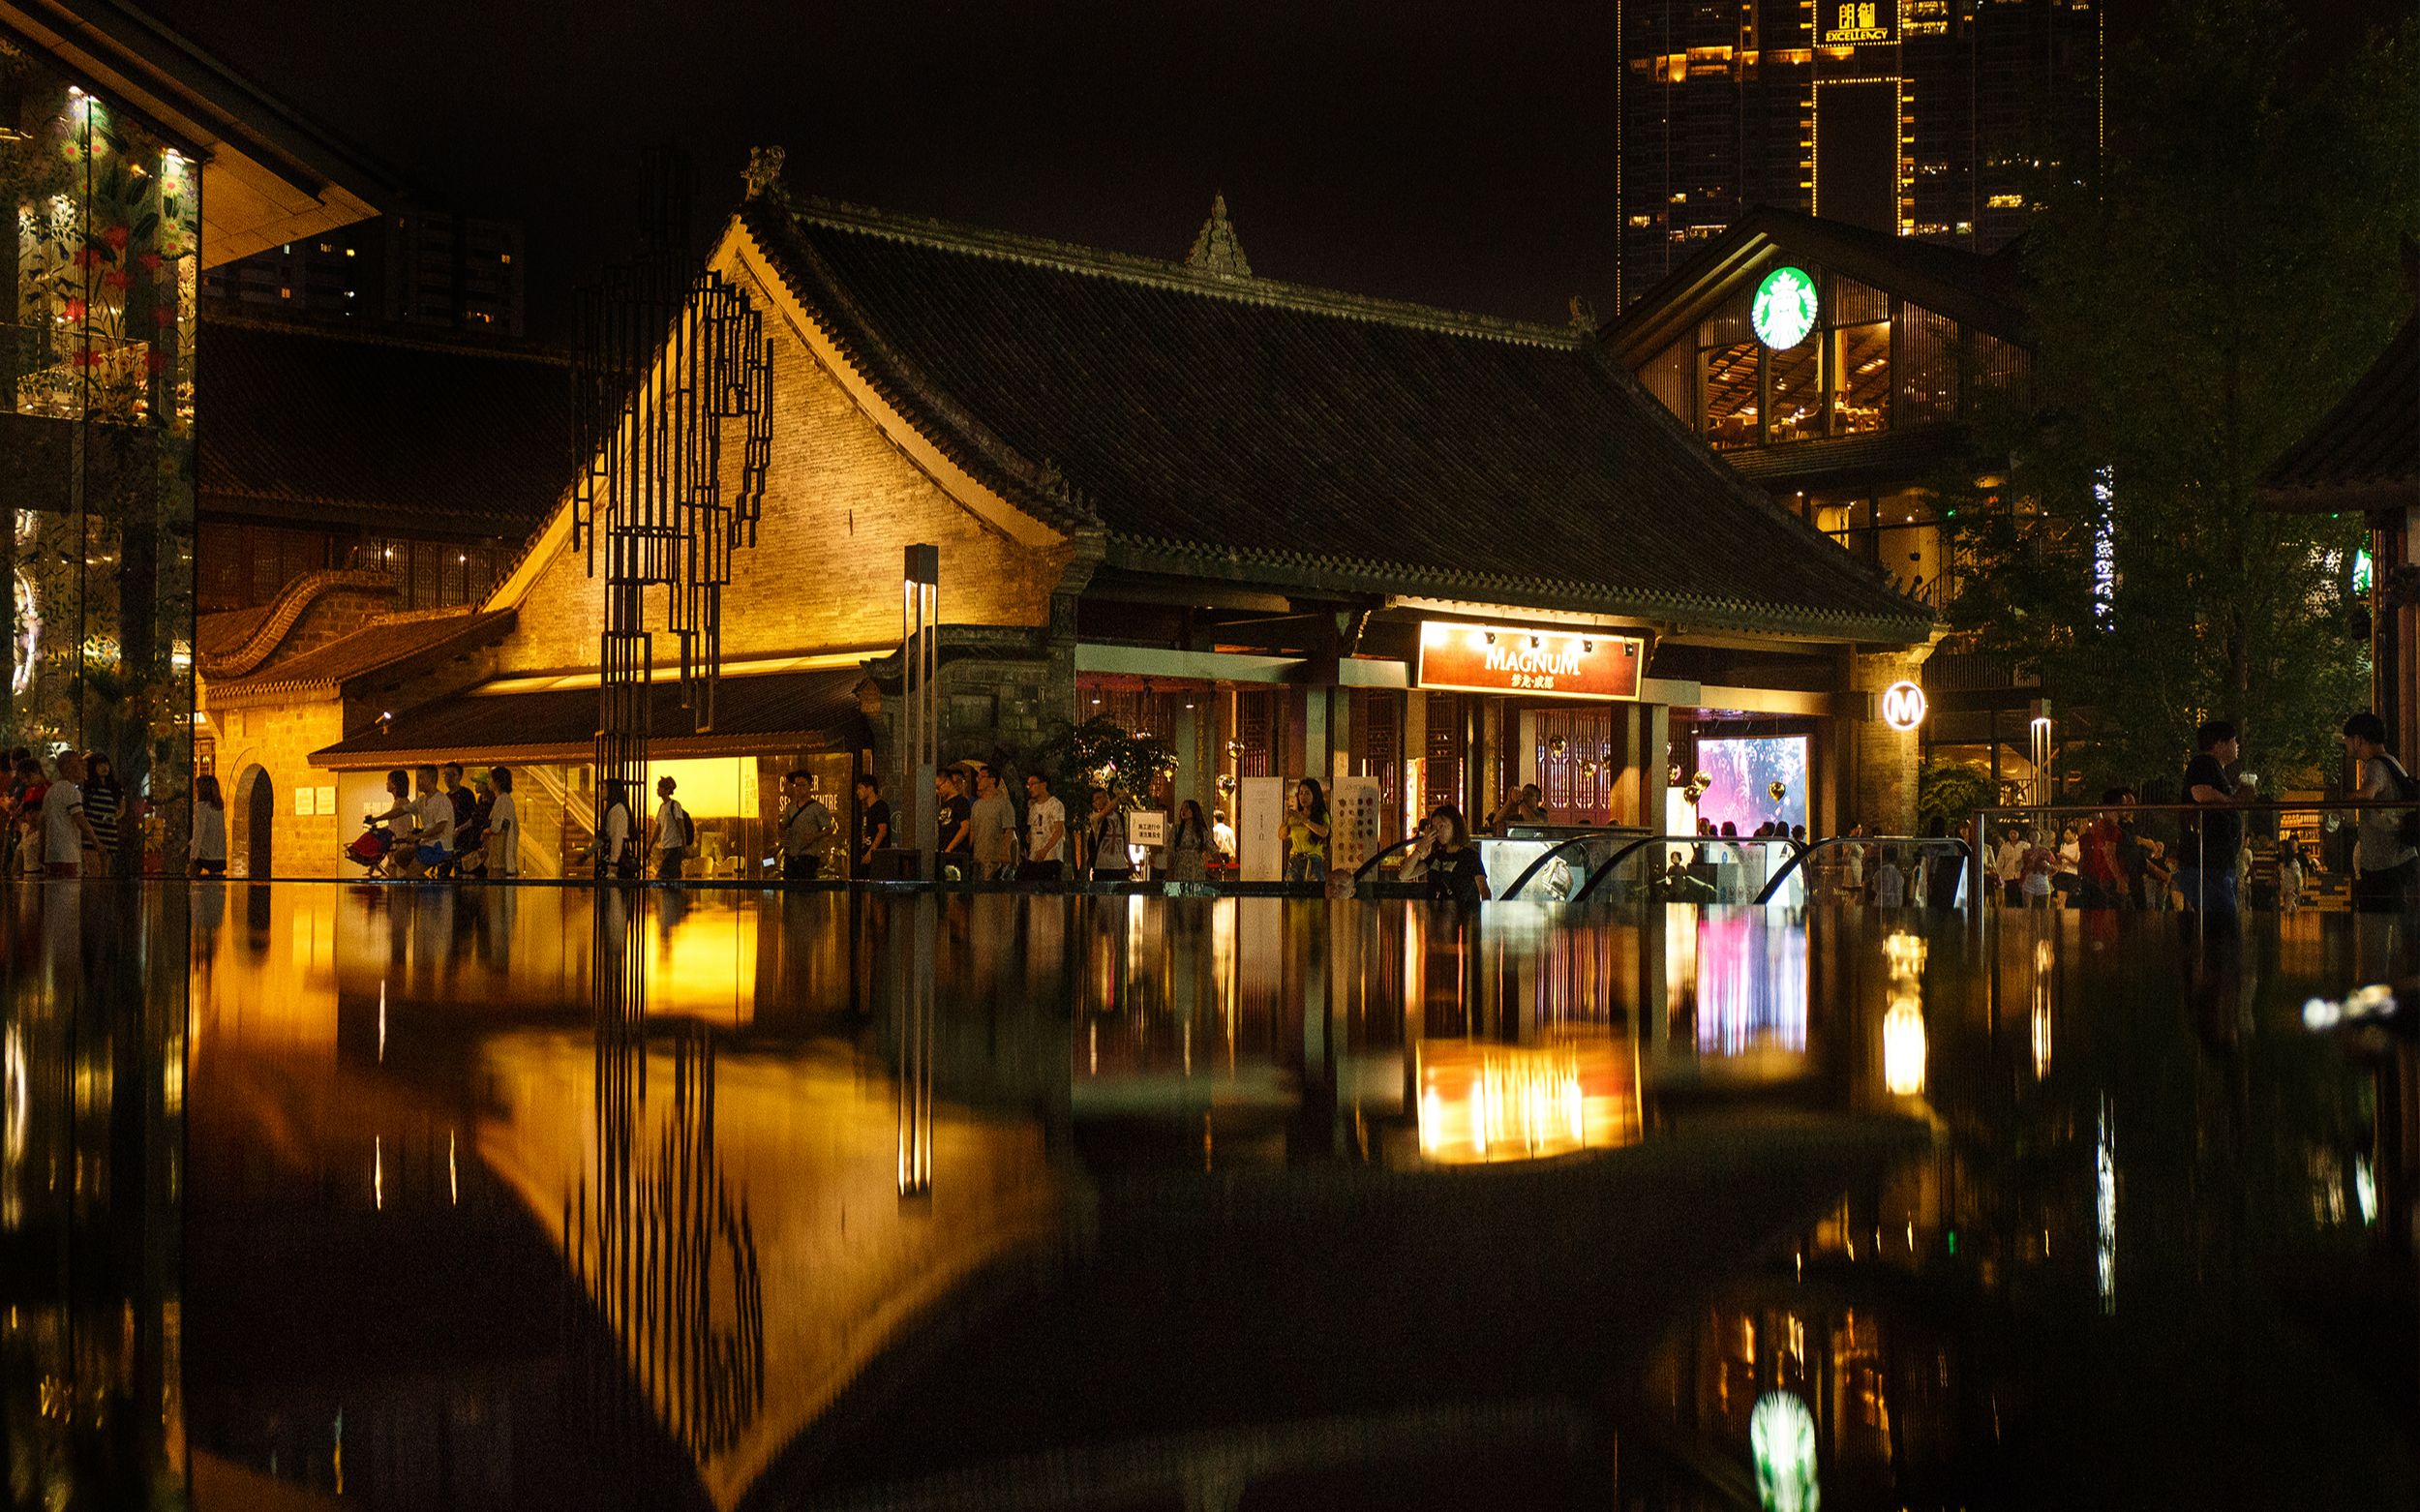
x=1454 y=154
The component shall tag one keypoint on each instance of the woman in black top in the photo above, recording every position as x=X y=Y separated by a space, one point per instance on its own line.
x=1454 y=872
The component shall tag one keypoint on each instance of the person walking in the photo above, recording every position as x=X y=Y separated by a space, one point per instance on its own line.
x=1221 y=840
x=1045 y=832
x=1890 y=882
x=206 y=857
x=804 y=829
x=1107 y=857
x=66 y=832
x=674 y=834
x=104 y=805
x=2033 y=882
x=1454 y=872
x=2214 y=833
x=2104 y=877
x=1189 y=845
x=2008 y=864
x=991 y=829
x=2386 y=856
x=1307 y=833
x=954 y=846
x=616 y=848
x=503 y=827
x=873 y=822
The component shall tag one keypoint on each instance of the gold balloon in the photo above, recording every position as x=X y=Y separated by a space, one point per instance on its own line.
x=1702 y=781
x=1779 y=790
x=1554 y=747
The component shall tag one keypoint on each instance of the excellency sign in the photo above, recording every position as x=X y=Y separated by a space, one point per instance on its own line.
x=1849 y=22
x=1476 y=658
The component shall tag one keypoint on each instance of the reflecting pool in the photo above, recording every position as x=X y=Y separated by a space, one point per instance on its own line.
x=412 y=1198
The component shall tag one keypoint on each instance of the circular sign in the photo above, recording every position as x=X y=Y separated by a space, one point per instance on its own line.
x=1784 y=310
x=1902 y=706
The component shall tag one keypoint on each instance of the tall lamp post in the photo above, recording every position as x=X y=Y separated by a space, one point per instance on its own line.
x=919 y=661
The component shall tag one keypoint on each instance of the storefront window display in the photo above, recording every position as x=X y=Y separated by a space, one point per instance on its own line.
x=97 y=281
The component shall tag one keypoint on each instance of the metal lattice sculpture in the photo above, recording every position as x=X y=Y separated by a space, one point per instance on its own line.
x=668 y=353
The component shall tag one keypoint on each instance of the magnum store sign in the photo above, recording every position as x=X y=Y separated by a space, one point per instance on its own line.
x=1478 y=659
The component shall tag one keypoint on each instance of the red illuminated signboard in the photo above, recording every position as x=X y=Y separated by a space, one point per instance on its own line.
x=1849 y=22
x=1475 y=658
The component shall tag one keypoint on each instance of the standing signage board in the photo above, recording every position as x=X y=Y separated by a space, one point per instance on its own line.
x=1354 y=823
x=1260 y=828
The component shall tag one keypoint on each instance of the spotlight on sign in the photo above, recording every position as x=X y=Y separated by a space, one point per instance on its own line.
x=1902 y=706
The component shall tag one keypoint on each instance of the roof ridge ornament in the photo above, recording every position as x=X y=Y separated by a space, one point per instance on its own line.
x=763 y=172
x=1217 y=249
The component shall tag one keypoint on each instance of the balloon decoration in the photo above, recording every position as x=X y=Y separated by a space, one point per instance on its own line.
x=1779 y=789
x=1554 y=747
x=1226 y=782
x=1235 y=747
x=1672 y=777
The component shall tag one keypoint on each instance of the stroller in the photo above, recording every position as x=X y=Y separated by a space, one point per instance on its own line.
x=371 y=849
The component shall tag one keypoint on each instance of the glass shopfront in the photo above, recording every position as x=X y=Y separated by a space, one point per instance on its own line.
x=98 y=279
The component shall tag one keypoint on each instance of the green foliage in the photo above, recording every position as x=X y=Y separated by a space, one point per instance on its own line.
x=2201 y=300
x=1101 y=753
x=1952 y=790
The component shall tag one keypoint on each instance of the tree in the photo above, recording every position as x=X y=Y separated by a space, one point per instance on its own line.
x=1102 y=753
x=2199 y=299
x=1950 y=791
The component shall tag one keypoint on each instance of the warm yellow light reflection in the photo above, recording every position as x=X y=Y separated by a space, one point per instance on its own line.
x=1903 y=1022
x=1519 y=1103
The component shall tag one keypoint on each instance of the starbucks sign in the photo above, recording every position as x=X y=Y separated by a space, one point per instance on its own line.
x=1784 y=310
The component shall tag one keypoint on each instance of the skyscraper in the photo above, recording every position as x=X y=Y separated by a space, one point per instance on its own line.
x=410 y=268
x=1918 y=118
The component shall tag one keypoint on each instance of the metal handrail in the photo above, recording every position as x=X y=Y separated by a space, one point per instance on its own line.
x=1627 y=852
x=1371 y=864
x=1793 y=864
x=1556 y=850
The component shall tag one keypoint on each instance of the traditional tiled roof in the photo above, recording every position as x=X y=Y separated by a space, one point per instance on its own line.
x=816 y=710
x=380 y=432
x=2365 y=454
x=1221 y=426
x=234 y=644
x=388 y=645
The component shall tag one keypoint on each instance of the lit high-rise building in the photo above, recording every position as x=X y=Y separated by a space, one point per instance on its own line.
x=410 y=268
x=1919 y=118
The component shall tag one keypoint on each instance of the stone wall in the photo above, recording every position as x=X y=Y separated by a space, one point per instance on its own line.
x=841 y=505
x=274 y=743
x=1883 y=785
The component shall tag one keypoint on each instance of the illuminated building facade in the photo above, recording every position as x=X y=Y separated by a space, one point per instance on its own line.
x=1851 y=412
x=128 y=166
x=1292 y=532
x=1920 y=118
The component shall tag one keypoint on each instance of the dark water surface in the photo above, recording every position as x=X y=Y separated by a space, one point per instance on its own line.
x=537 y=1197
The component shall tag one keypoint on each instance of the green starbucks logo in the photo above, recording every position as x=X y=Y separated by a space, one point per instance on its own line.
x=1784 y=310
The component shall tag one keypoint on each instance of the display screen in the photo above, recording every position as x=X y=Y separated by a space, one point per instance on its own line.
x=1742 y=772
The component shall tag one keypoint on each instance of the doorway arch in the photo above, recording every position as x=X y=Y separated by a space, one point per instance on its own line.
x=256 y=810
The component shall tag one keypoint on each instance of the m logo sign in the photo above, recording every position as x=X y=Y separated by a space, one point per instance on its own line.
x=1902 y=706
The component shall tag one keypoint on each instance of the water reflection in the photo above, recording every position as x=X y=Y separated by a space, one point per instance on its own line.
x=570 y=1198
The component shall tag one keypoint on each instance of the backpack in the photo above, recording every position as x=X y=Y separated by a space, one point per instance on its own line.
x=689 y=831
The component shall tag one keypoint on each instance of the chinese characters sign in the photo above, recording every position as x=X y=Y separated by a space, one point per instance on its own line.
x=1473 y=658
x=1848 y=22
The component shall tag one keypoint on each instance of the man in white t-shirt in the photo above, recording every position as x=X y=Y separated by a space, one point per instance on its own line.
x=432 y=828
x=65 y=831
x=1046 y=833
x=674 y=833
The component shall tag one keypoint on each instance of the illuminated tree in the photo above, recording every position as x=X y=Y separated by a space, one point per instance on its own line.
x=2197 y=302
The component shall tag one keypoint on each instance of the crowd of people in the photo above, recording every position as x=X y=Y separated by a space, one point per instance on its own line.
x=74 y=819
